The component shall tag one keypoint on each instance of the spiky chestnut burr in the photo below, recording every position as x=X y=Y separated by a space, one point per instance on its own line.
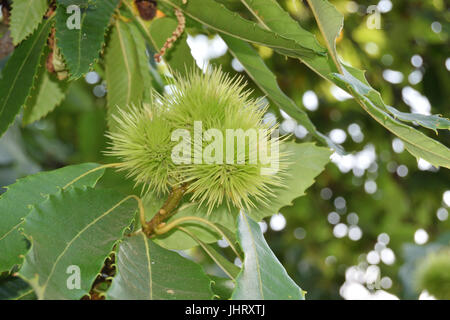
x=145 y=145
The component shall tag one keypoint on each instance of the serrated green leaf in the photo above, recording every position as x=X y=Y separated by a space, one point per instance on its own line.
x=25 y=18
x=267 y=82
x=357 y=79
x=306 y=161
x=432 y=122
x=270 y=12
x=218 y=17
x=417 y=143
x=19 y=73
x=16 y=202
x=143 y=61
x=330 y=23
x=292 y=30
x=81 y=47
x=145 y=271
x=123 y=74
x=179 y=240
x=262 y=276
x=81 y=228
x=47 y=94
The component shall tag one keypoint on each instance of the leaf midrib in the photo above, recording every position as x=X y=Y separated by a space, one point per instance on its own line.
x=149 y=264
x=258 y=268
x=10 y=230
x=127 y=65
x=69 y=244
x=239 y=37
x=79 y=40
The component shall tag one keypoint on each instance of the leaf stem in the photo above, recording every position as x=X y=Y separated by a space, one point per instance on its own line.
x=166 y=211
x=166 y=228
x=205 y=248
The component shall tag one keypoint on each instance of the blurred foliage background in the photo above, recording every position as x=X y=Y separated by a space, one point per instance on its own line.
x=363 y=229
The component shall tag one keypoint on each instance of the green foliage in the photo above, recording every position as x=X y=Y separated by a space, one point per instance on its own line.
x=432 y=274
x=17 y=202
x=123 y=71
x=267 y=82
x=305 y=161
x=46 y=95
x=330 y=23
x=272 y=11
x=156 y=33
x=417 y=260
x=148 y=272
x=19 y=74
x=230 y=269
x=417 y=143
x=81 y=47
x=25 y=18
x=56 y=219
x=218 y=17
x=83 y=225
x=262 y=277
x=222 y=288
x=432 y=122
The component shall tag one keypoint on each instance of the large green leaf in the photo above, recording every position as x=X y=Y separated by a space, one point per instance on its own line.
x=216 y=16
x=142 y=60
x=16 y=202
x=306 y=161
x=145 y=271
x=267 y=82
x=417 y=143
x=19 y=73
x=330 y=22
x=81 y=47
x=432 y=122
x=272 y=16
x=46 y=95
x=123 y=70
x=262 y=276
x=81 y=228
x=270 y=12
x=25 y=18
